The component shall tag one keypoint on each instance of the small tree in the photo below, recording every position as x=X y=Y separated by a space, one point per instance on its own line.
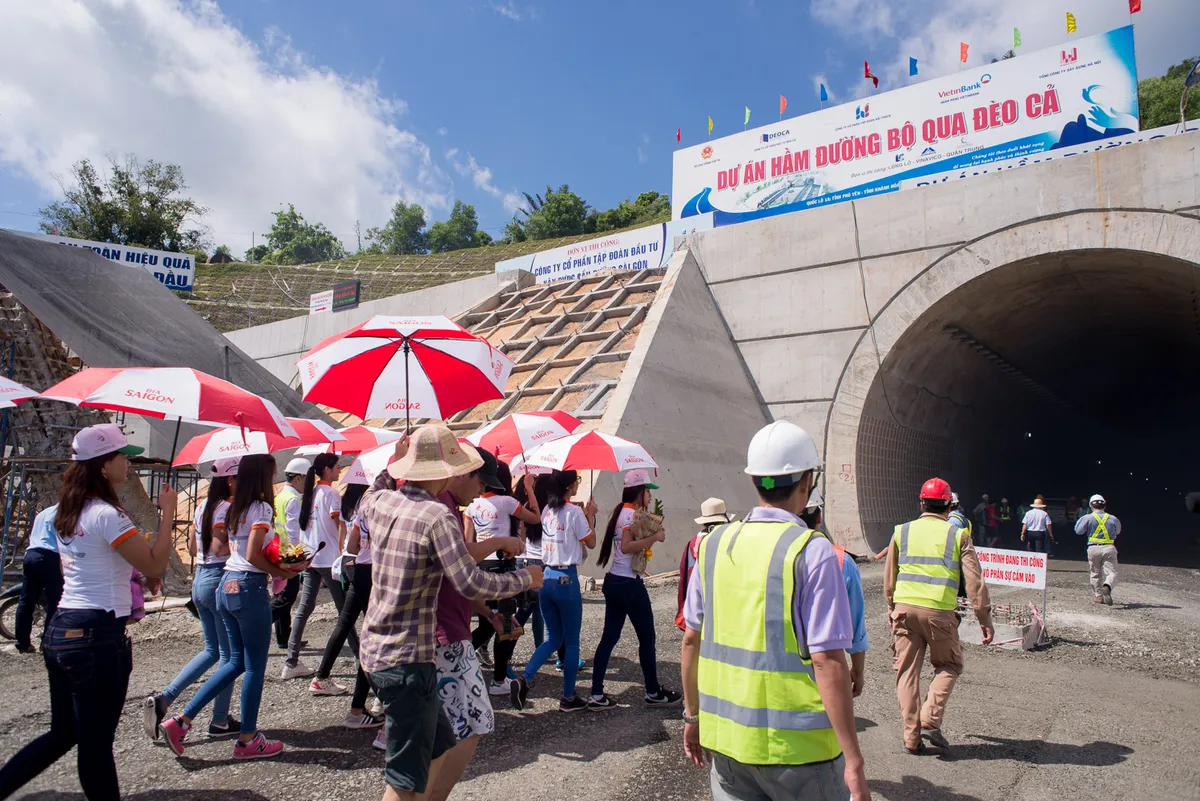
x=459 y=231
x=560 y=212
x=257 y=253
x=404 y=233
x=1158 y=98
x=295 y=241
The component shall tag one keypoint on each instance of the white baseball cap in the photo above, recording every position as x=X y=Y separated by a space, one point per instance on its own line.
x=226 y=467
x=639 y=478
x=298 y=466
x=1097 y=499
x=101 y=440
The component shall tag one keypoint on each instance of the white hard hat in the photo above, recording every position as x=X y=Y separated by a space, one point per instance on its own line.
x=1097 y=499
x=298 y=466
x=781 y=449
x=954 y=499
x=815 y=501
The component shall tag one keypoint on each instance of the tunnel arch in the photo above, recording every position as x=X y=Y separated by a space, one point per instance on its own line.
x=984 y=368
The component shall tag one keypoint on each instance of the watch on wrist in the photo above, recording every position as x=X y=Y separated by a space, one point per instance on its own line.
x=690 y=718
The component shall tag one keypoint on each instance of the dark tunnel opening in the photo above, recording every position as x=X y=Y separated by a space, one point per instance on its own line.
x=1062 y=375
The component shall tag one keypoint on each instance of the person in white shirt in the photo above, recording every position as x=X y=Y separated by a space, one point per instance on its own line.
x=1036 y=527
x=209 y=545
x=320 y=522
x=88 y=656
x=287 y=526
x=41 y=571
x=245 y=608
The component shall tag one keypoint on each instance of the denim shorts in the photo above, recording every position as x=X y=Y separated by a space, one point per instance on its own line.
x=418 y=730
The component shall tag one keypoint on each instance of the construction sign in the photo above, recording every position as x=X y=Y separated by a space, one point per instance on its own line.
x=1013 y=568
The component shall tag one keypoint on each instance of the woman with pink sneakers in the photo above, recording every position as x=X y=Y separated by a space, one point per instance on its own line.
x=245 y=607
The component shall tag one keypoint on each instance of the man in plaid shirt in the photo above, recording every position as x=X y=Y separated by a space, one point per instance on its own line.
x=415 y=542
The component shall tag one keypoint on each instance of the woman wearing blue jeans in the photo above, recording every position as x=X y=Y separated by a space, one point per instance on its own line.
x=210 y=544
x=245 y=608
x=87 y=653
x=567 y=531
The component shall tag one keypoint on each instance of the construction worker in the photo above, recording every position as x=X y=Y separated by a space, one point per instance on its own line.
x=926 y=560
x=957 y=516
x=287 y=527
x=1005 y=512
x=771 y=709
x=1101 y=530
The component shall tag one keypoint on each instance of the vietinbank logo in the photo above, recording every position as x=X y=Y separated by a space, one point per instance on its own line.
x=966 y=88
x=770 y=137
x=985 y=79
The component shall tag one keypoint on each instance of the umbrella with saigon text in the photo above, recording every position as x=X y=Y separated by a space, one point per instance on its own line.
x=515 y=434
x=12 y=393
x=591 y=451
x=354 y=439
x=222 y=443
x=430 y=366
x=367 y=465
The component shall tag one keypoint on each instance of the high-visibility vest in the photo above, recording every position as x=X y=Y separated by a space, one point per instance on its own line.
x=930 y=563
x=759 y=703
x=959 y=517
x=1005 y=513
x=1100 y=536
x=281 y=501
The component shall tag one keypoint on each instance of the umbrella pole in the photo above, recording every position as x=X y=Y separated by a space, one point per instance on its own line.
x=407 y=405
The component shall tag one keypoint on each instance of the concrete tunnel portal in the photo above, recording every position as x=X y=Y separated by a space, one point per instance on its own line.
x=1062 y=374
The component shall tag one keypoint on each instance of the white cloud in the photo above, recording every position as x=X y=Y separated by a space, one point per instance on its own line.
x=252 y=126
x=482 y=178
x=643 y=154
x=511 y=10
x=442 y=131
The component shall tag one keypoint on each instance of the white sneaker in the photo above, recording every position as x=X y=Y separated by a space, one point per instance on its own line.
x=326 y=686
x=503 y=688
x=297 y=671
x=375 y=708
x=380 y=741
x=363 y=721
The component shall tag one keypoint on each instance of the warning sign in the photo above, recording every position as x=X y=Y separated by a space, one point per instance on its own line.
x=1013 y=568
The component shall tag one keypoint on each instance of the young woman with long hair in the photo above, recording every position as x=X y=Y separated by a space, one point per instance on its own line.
x=567 y=533
x=88 y=656
x=210 y=546
x=625 y=595
x=320 y=522
x=245 y=607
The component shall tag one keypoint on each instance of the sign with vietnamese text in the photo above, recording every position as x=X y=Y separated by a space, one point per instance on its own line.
x=1013 y=568
x=173 y=270
x=320 y=302
x=1079 y=92
x=345 y=295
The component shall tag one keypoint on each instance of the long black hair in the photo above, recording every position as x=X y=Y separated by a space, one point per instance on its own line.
x=83 y=481
x=628 y=495
x=218 y=490
x=541 y=491
x=255 y=482
x=321 y=463
x=559 y=485
x=350 y=498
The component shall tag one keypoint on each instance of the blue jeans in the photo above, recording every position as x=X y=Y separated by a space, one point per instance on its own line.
x=246 y=613
x=626 y=597
x=534 y=610
x=216 y=641
x=89 y=660
x=562 y=607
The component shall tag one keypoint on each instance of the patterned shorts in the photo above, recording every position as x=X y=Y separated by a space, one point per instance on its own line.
x=463 y=691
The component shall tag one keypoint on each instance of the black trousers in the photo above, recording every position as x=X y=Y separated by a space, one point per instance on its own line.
x=42 y=570
x=281 y=611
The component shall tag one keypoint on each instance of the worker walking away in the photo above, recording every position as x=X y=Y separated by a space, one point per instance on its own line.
x=926 y=559
x=1036 y=527
x=767 y=694
x=957 y=516
x=1101 y=530
x=980 y=512
x=1004 y=511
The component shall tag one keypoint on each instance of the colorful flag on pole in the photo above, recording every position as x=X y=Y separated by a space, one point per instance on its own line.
x=962 y=52
x=782 y=105
x=679 y=134
x=867 y=74
x=912 y=66
x=1135 y=6
x=710 y=126
x=824 y=94
x=1016 y=38
x=1071 y=28
x=747 y=120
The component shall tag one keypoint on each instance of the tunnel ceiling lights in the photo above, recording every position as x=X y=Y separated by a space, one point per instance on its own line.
x=965 y=338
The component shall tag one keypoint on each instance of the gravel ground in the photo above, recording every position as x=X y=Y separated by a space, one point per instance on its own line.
x=1110 y=709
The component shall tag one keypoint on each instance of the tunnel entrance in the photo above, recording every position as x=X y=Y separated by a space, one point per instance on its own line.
x=1063 y=375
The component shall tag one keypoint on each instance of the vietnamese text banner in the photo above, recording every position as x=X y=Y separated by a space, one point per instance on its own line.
x=320 y=302
x=640 y=249
x=1013 y=568
x=174 y=270
x=1065 y=96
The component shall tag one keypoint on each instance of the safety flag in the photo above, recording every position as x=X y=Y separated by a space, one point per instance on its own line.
x=1135 y=6
x=747 y=120
x=710 y=126
x=782 y=105
x=1016 y=38
x=824 y=94
x=1070 y=22
x=867 y=74
x=678 y=134
x=962 y=52
x=912 y=66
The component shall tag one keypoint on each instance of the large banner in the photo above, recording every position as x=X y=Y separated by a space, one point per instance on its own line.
x=174 y=270
x=1082 y=91
x=640 y=249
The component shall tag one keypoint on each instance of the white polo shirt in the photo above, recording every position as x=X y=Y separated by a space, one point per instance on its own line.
x=259 y=515
x=95 y=576
x=323 y=525
x=491 y=514
x=562 y=532
x=218 y=521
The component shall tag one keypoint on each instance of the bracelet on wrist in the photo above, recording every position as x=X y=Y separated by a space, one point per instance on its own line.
x=690 y=718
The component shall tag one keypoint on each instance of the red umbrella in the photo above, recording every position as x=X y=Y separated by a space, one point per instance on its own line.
x=354 y=439
x=517 y=433
x=387 y=365
x=591 y=451
x=12 y=393
x=224 y=442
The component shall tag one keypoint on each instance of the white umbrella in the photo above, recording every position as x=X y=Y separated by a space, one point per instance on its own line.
x=12 y=393
x=591 y=451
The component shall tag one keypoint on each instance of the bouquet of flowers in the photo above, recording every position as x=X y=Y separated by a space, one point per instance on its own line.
x=645 y=524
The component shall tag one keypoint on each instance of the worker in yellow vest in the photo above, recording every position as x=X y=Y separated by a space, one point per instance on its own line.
x=1101 y=530
x=767 y=692
x=287 y=526
x=926 y=559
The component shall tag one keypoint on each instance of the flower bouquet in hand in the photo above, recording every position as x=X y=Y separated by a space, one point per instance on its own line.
x=645 y=525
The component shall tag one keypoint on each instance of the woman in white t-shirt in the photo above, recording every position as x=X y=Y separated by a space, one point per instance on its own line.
x=625 y=595
x=88 y=656
x=245 y=607
x=567 y=533
x=209 y=546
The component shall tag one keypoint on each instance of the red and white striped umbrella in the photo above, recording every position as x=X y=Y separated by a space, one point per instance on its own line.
x=12 y=393
x=366 y=467
x=354 y=439
x=517 y=467
x=171 y=393
x=517 y=433
x=591 y=451
x=225 y=442
x=428 y=367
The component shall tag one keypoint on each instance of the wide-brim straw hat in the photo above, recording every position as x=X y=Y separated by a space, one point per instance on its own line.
x=1038 y=503
x=434 y=454
x=713 y=511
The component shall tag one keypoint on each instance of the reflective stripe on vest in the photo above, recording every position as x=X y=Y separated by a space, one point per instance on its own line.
x=929 y=564
x=1006 y=513
x=1100 y=535
x=281 y=501
x=759 y=702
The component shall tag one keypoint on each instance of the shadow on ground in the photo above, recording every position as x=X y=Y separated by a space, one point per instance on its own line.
x=916 y=787
x=1040 y=752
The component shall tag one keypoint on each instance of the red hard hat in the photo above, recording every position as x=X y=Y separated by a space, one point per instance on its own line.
x=935 y=489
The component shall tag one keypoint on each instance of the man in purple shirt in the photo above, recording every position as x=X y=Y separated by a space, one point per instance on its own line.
x=784 y=465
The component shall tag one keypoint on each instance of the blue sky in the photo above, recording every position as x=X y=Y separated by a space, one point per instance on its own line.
x=342 y=107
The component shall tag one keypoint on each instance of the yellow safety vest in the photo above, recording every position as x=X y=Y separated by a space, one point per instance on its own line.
x=281 y=501
x=930 y=563
x=1100 y=535
x=759 y=703
x=1005 y=513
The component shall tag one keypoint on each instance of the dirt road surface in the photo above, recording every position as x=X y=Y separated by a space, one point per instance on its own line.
x=1110 y=709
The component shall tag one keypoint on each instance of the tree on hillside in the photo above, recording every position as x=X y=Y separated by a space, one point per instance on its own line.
x=459 y=231
x=649 y=207
x=403 y=234
x=558 y=213
x=1158 y=98
x=293 y=240
x=1005 y=56
x=134 y=204
x=257 y=253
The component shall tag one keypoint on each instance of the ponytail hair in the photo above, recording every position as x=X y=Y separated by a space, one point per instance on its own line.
x=558 y=486
x=321 y=463
x=628 y=495
x=218 y=490
x=541 y=492
x=82 y=482
x=350 y=499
